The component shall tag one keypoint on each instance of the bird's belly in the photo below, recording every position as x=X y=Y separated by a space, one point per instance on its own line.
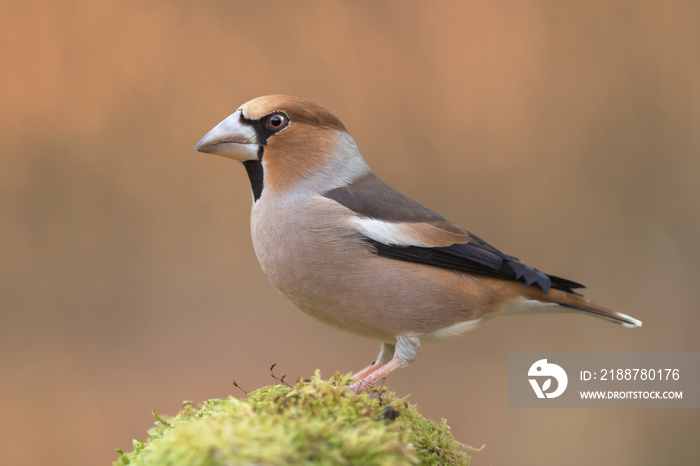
x=331 y=274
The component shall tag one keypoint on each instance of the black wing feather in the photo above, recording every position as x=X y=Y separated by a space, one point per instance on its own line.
x=476 y=257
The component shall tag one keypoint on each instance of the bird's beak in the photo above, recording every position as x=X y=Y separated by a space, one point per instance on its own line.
x=231 y=138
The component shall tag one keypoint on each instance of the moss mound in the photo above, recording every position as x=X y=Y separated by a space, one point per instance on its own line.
x=313 y=422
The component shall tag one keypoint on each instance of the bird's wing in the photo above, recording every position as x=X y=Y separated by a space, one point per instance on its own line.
x=400 y=228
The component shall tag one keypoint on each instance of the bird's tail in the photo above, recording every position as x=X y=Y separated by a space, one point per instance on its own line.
x=533 y=300
x=579 y=303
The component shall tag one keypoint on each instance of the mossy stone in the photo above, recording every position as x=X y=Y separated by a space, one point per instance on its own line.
x=312 y=422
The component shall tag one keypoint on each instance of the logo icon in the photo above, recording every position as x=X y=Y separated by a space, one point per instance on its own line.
x=541 y=369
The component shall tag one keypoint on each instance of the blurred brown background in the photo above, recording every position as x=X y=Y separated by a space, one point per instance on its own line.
x=565 y=133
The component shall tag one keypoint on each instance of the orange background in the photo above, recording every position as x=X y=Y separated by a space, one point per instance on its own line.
x=564 y=133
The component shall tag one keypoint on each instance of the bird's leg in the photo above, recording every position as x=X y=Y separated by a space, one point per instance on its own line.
x=406 y=351
x=385 y=354
x=366 y=383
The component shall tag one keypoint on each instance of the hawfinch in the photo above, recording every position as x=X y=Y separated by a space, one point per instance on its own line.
x=356 y=254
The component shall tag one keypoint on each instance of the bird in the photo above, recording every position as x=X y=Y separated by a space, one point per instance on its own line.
x=356 y=254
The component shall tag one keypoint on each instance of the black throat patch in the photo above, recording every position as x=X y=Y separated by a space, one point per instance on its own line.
x=254 y=168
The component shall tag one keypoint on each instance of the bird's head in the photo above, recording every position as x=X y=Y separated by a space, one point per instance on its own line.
x=284 y=141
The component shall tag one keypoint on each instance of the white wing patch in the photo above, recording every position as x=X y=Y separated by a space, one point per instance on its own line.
x=392 y=234
x=402 y=234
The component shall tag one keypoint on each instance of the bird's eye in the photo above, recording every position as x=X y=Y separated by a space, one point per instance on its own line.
x=276 y=121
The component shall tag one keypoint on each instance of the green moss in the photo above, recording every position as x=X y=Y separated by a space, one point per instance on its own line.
x=313 y=422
